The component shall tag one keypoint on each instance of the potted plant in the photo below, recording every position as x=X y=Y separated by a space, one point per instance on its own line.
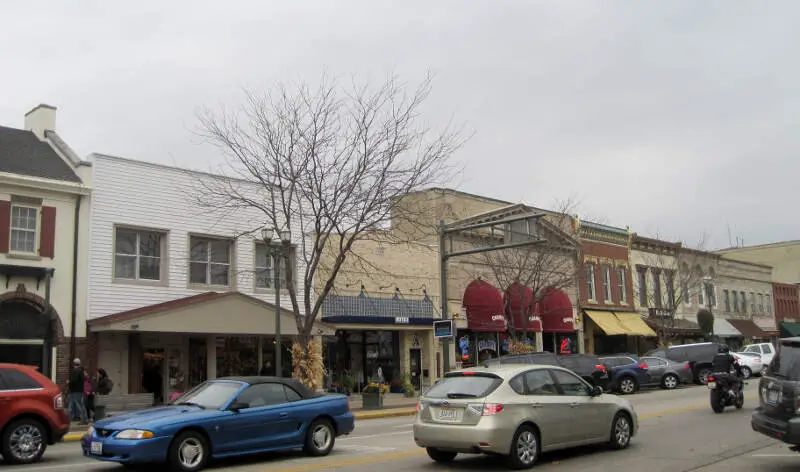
x=408 y=387
x=372 y=396
x=349 y=384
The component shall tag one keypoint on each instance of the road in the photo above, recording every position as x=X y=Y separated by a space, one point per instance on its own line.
x=679 y=433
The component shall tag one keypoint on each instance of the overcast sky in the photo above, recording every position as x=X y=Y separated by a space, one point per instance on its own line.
x=674 y=117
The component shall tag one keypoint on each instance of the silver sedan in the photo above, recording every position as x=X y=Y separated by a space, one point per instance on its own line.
x=519 y=411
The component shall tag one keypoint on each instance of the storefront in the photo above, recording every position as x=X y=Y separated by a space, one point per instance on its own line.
x=750 y=331
x=559 y=333
x=612 y=332
x=726 y=333
x=151 y=350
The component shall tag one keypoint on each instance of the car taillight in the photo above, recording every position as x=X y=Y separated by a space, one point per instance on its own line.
x=710 y=378
x=643 y=366
x=58 y=402
x=419 y=406
x=686 y=366
x=600 y=367
x=467 y=373
x=491 y=409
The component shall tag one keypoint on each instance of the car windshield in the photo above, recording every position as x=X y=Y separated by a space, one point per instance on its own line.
x=464 y=386
x=787 y=363
x=212 y=395
x=753 y=348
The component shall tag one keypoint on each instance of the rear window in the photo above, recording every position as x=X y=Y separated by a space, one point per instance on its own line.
x=11 y=379
x=786 y=363
x=584 y=362
x=464 y=386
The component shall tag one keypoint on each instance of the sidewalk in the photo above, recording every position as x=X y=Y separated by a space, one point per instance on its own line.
x=394 y=405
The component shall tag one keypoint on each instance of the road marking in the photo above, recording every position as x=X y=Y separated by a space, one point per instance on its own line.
x=364 y=448
x=399 y=433
x=73 y=465
x=775 y=455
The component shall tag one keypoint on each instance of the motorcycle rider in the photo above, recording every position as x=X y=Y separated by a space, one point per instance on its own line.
x=723 y=363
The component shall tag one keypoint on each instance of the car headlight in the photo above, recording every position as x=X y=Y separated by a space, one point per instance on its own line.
x=134 y=434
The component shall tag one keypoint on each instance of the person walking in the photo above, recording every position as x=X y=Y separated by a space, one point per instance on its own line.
x=104 y=382
x=89 y=389
x=75 y=398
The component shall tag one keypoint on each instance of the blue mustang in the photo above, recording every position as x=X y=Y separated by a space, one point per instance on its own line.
x=223 y=418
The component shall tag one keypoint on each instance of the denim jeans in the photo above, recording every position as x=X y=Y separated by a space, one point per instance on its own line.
x=76 y=406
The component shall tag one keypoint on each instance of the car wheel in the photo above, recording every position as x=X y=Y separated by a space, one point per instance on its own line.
x=24 y=442
x=621 y=429
x=627 y=385
x=746 y=372
x=670 y=381
x=702 y=375
x=524 y=448
x=439 y=455
x=764 y=370
x=188 y=452
x=320 y=438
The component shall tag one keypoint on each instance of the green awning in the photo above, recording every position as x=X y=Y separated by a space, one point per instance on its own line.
x=790 y=330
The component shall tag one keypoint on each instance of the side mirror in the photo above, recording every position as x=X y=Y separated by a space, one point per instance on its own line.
x=236 y=406
x=597 y=391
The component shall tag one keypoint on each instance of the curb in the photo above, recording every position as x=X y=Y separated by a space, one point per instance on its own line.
x=369 y=415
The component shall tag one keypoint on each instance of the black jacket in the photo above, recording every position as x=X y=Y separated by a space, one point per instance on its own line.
x=76 y=380
x=724 y=362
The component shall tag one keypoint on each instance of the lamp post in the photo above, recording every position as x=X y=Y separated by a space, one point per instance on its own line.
x=277 y=251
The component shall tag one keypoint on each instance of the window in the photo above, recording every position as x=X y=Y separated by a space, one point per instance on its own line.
x=701 y=295
x=761 y=303
x=477 y=386
x=769 y=305
x=752 y=303
x=743 y=302
x=571 y=384
x=735 y=302
x=642 y=274
x=210 y=261
x=517 y=384
x=12 y=379
x=622 y=285
x=657 y=288
x=265 y=272
x=212 y=395
x=291 y=395
x=727 y=296
x=711 y=293
x=686 y=293
x=539 y=382
x=24 y=225
x=607 y=284
x=137 y=254
x=260 y=395
x=786 y=364
x=670 y=281
x=654 y=361
x=592 y=292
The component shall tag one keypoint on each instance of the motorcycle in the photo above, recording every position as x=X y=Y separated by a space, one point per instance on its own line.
x=723 y=392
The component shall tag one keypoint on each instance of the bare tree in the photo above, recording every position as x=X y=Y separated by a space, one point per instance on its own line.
x=673 y=275
x=331 y=162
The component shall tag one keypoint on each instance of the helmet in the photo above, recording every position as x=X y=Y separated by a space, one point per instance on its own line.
x=724 y=349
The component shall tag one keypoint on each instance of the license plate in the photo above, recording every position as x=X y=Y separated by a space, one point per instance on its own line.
x=712 y=385
x=447 y=414
x=97 y=448
x=772 y=397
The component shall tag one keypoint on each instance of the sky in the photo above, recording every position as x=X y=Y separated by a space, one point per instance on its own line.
x=678 y=119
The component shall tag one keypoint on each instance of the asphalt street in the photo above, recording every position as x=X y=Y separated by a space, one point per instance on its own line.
x=679 y=433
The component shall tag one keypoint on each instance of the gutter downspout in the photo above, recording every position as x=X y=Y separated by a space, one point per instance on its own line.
x=74 y=315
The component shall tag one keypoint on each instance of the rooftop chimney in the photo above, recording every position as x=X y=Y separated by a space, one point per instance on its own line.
x=42 y=118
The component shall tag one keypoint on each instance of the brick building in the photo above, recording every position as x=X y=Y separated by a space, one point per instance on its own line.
x=787 y=308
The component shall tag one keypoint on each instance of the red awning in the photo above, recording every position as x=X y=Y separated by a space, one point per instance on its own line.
x=519 y=305
x=484 y=305
x=555 y=310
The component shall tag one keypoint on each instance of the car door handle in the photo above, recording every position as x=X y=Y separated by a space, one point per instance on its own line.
x=284 y=415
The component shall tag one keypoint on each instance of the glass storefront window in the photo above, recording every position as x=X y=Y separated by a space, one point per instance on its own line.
x=198 y=368
x=237 y=356
x=268 y=353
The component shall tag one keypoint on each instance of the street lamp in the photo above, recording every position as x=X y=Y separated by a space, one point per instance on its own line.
x=277 y=252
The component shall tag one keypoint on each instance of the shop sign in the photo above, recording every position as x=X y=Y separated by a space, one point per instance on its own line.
x=401 y=320
x=498 y=318
x=567 y=320
x=487 y=345
x=443 y=329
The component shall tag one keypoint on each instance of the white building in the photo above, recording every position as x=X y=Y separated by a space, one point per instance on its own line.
x=178 y=291
x=43 y=217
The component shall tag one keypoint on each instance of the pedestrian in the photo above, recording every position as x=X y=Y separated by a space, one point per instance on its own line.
x=89 y=389
x=104 y=382
x=76 y=392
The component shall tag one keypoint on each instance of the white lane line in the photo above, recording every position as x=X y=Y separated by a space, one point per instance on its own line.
x=369 y=436
x=359 y=448
x=74 y=465
x=775 y=455
x=403 y=426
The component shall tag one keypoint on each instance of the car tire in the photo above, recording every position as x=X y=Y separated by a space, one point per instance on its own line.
x=188 y=452
x=670 y=382
x=621 y=429
x=33 y=436
x=746 y=372
x=627 y=385
x=716 y=402
x=525 y=448
x=702 y=375
x=319 y=438
x=439 y=455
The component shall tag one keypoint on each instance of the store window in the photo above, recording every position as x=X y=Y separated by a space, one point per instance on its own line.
x=237 y=356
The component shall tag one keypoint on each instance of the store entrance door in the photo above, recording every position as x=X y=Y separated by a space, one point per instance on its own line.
x=415 y=363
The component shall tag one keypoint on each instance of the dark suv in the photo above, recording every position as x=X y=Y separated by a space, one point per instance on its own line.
x=699 y=356
x=588 y=366
x=778 y=412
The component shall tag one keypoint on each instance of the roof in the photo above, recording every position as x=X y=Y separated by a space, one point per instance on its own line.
x=296 y=385
x=792 y=242
x=21 y=152
x=152 y=309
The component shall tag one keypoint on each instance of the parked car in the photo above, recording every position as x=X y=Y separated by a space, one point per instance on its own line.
x=227 y=417
x=767 y=351
x=750 y=362
x=519 y=412
x=668 y=374
x=698 y=355
x=32 y=414
x=777 y=415
x=588 y=366
x=627 y=373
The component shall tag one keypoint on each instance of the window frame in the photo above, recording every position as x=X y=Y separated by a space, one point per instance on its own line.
x=727 y=295
x=591 y=286
x=607 y=297
x=264 y=385
x=622 y=285
x=37 y=231
x=208 y=239
x=641 y=275
x=586 y=386
x=163 y=259
x=657 y=298
x=291 y=258
x=547 y=374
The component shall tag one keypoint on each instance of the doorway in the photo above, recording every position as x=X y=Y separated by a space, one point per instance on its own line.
x=415 y=365
x=21 y=352
x=153 y=374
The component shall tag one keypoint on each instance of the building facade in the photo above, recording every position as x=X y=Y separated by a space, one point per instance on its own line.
x=787 y=308
x=44 y=210
x=179 y=293
x=783 y=257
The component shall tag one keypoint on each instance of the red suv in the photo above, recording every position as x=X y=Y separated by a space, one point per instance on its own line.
x=32 y=414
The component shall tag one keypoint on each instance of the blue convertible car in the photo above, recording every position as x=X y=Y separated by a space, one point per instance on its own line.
x=223 y=418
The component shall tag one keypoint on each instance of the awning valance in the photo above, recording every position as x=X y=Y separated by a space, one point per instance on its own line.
x=725 y=330
x=790 y=330
x=748 y=328
x=634 y=323
x=620 y=323
x=555 y=309
x=484 y=306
